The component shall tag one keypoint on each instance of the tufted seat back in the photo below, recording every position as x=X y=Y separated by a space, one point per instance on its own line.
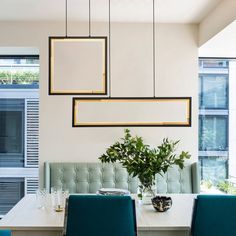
x=177 y=180
x=89 y=177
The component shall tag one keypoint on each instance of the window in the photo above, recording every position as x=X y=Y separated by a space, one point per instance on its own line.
x=212 y=63
x=12 y=190
x=213 y=133
x=214 y=168
x=11 y=132
x=214 y=91
x=214 y=119
x=19 y=128
x=19 y=71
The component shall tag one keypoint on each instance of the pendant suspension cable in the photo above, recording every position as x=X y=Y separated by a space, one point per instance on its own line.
x=89 y=18
x=154 y=48
x=109 y=33
x=66 y=17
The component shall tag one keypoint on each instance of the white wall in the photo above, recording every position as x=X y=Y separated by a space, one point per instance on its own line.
x=177 y=75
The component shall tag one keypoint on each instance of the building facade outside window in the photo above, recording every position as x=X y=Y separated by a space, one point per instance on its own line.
x=19 y=128
x=216 y=111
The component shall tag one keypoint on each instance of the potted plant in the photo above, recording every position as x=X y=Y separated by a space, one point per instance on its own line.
x=143 y=161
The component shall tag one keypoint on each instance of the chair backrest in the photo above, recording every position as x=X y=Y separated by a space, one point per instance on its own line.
x=5 y=232
x=89 y=177
x=101 y=215
x=214 y=215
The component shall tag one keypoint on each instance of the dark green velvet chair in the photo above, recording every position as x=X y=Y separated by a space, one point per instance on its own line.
x=5 y=233
x=92 y=215
x=214 y=215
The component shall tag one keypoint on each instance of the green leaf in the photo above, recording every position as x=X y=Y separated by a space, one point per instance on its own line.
x=143 y=161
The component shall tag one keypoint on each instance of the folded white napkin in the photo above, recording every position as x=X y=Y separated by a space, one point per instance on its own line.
x=113 y=191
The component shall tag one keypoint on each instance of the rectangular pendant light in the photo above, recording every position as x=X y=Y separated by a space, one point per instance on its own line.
x=77 y=65
x=111 y=112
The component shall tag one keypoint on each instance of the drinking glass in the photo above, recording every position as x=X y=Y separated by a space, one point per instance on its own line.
x=41 y=196
x=58 y=197
x=65 y=195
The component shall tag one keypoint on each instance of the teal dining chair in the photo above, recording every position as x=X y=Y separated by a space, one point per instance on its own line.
x=5 y=233
x=214 y=215
x=101 y=216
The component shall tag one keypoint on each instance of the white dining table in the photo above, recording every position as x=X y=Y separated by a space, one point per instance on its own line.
x=26 y=219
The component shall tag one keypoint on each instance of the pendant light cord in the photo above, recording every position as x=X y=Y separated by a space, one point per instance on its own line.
x=66 y=18
x=89 y=18
x=109 y=32
x=154 y=49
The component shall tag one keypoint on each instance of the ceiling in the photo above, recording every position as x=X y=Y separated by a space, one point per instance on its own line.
x=167 y=11
x=221 y=45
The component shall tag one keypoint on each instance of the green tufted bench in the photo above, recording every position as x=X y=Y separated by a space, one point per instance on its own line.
x=89 y=177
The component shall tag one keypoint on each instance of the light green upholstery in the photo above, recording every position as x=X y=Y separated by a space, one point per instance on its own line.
x=176 y=180
x=89 y=177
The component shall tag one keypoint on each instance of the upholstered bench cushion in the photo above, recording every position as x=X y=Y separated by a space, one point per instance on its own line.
x=89 y=177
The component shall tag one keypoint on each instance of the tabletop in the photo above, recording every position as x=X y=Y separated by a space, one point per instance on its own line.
x=26 y=215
